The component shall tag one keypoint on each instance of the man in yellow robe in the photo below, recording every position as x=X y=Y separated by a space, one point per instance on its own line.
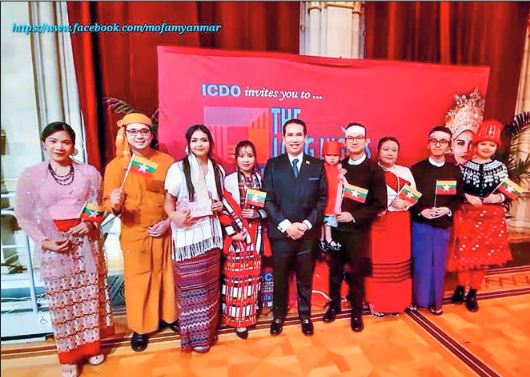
x=145 y=237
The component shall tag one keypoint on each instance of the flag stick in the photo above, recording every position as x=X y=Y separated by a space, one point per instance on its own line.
x=127 y=172
x=496 y=188
x=435 y=195
x=82 y=209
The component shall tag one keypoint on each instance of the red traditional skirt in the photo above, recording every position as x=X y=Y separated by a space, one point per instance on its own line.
x=80 y=306
x=481 y=238
x=240 y=286
x=389 y=288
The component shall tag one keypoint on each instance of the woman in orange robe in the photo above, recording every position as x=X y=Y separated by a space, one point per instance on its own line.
x=145 y=238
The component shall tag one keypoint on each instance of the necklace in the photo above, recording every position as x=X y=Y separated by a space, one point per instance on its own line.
x=63 y=180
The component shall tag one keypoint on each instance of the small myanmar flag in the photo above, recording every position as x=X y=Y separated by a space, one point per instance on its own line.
x=255 y=197
x=143 y=166
x=92 y=212
x=510 y=188
x=445 y=187
x=355 y=193
x=409 y=194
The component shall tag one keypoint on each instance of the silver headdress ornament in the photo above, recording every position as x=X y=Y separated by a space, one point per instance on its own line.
x=467 y=115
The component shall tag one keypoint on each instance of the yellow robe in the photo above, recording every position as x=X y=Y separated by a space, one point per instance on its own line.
x=148 y=268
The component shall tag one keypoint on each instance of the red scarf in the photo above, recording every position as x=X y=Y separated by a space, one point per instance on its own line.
x=333 y=178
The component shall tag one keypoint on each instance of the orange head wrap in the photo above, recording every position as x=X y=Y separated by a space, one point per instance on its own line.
x=122 y=146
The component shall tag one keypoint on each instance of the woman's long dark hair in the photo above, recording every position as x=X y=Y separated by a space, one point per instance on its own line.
x=186 y=162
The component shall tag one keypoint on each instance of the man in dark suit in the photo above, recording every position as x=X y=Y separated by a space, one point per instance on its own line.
x=296 y=196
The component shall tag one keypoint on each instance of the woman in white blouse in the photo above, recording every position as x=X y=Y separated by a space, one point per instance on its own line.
x=193 y=201
x=245 y=242
x=389 y=288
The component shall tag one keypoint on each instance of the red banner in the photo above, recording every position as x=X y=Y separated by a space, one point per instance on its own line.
x=247 y=95
x=244 y=95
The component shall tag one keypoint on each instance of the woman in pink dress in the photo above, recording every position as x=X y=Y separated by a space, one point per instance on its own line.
x=50 y=198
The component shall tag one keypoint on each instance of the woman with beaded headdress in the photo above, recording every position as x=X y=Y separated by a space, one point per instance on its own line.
x=138 y=199
x=464 y=121
x=481 y=232
x=49 y=201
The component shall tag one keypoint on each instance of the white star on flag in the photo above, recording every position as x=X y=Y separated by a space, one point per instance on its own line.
x=509 y=189
x=255 y=198
x=446 y=188
x=92 y=214
x=355 y=193
x=143 y=168
x=409 y=195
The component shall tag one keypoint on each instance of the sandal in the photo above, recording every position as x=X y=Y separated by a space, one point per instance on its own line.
x=334 y=246
x=201 y=349
x=96 y=360
x=376 y=314
x=323 y=245
x=434 y=311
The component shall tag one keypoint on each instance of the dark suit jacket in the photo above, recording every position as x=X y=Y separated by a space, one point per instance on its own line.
x=295 y=198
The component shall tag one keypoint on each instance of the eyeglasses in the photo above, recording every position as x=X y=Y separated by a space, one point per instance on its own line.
x=143 y=132
x=358 y=139
x=443 y=142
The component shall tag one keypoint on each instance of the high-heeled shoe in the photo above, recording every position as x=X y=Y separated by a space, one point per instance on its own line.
x=472 y=301
x=458 y=295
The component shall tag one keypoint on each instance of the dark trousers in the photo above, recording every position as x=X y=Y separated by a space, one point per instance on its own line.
x=354 y=253
x=288 y=256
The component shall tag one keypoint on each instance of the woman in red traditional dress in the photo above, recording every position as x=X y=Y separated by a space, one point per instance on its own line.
x=49 y=201
x=245 y=242
x=480 y=227
x=389 y=289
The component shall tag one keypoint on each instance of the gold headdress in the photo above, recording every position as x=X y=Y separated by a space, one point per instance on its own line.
x=467 y=115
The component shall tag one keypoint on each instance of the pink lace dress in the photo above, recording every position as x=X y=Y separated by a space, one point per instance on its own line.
x=75 y=282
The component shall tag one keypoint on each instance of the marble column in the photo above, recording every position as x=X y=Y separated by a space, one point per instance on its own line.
x=332 y=29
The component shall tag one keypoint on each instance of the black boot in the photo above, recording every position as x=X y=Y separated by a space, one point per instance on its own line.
x=458 y=296
x=471 y=301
